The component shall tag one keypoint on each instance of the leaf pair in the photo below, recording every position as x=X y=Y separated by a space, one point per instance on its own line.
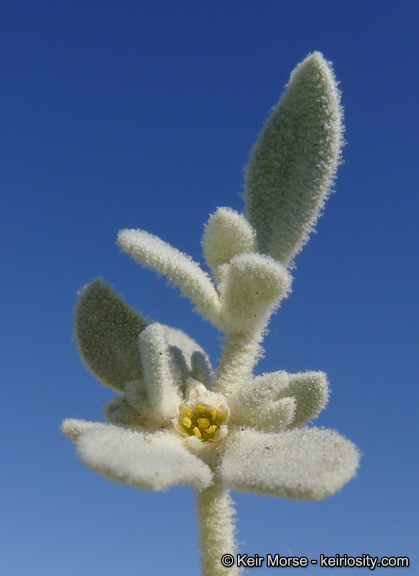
x=278 y=400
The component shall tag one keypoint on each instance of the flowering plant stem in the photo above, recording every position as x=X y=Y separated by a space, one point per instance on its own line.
x=176 y=421
x=239 y=357
x=216 y=512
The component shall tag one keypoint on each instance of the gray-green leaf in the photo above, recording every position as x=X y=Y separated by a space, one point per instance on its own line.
x=294 y=160
x=106 y=331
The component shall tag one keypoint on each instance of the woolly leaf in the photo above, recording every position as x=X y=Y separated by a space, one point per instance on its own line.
x=251 y=289
x=179 y=368
x=310 y=390
x=294 y=161
x=135 y=414
x=303 y=464
x=226 y=235
x=185 y=343
x=268 y=416
x=148 y=461
x=73 y=428
x=180 y=269
x=202 y=369
x=106 y=331
x=162 y=393
x=258 y=403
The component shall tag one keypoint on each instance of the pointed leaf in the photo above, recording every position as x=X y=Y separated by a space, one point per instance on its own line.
x=294 y=161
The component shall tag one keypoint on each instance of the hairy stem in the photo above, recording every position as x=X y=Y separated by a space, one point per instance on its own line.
x=216 y=510
x=241 y=352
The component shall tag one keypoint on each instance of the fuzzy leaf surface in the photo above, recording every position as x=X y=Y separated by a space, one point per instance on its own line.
x=294 y=160
x=226 y=235
x=152 y=252
x=147 y=461
x=302 y=464
x=107 y=331
x=262 y=396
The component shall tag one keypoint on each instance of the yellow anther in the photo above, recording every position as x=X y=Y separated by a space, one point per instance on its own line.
x=203 y=423
x=201 y=420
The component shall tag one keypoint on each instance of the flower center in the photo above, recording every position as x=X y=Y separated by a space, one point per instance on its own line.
x=201 y=420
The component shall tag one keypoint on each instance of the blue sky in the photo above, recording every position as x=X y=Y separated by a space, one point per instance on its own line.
x=142 y=114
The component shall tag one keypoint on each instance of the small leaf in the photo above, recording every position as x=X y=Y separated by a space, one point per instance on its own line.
x=162 y=392
x=202 y=369
x=309 y=389
x=226 y=235
x=251 y=290
x=251 y=407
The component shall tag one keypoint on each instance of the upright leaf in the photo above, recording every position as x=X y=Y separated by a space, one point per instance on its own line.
x=294 y=161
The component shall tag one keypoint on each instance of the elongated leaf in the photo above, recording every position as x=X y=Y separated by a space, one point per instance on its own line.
x=294 y=161
x=162 y=392
x=151 y=252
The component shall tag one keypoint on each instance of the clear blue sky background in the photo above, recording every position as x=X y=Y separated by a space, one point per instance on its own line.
x=120 y=114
